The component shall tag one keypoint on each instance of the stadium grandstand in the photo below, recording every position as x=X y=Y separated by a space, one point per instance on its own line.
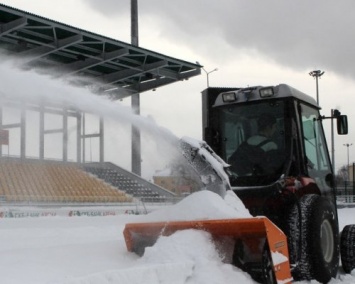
x=102 y=64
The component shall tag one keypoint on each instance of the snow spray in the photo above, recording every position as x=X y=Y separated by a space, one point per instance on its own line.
x=37 y=85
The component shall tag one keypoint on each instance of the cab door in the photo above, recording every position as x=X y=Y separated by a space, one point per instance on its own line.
x=316 y=155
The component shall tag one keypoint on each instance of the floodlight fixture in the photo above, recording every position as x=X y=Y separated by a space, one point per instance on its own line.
x=208 y=73
x=316 y=74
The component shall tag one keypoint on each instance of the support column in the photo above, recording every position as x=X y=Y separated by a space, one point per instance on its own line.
x=136 y=138
x=102 y=157
x=41 y=131
x=65 y=134
x=83 y=138
x=23 y=131
x=78 y=137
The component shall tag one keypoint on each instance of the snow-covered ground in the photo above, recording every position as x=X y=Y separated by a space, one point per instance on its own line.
x=91 y=250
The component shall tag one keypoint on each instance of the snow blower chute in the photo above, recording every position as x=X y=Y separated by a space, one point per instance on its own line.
x=259 y=248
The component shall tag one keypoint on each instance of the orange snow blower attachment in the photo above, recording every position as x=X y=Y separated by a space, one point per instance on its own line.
x=259 y=245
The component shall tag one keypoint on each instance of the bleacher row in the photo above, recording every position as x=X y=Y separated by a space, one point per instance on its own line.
x=130 y=186
x=53 y=182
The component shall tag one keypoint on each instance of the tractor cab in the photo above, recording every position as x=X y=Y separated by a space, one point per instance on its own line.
x=273 y=140
x=266 y=144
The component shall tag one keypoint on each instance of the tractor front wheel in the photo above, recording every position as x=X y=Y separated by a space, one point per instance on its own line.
x=313 y=239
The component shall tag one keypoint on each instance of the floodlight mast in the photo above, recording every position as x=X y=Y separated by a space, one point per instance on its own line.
x=134 y=22
x=135 y=99
x=316 y=74
x=208 y=73
x=348 y=145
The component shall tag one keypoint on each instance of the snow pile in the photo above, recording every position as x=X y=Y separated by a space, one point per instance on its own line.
x=91 y=249
x=186 y=257
x=202 y=262
x=201 y=205
x=278 y=258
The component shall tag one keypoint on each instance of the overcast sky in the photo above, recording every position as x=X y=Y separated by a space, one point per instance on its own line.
x=250 y=42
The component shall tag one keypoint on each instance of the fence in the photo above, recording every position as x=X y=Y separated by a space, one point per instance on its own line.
x=345 y=192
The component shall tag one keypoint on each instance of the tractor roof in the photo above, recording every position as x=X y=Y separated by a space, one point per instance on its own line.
x=262 y=93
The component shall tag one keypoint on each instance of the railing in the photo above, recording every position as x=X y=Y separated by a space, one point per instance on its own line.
x=346 y=198
x=345 y=192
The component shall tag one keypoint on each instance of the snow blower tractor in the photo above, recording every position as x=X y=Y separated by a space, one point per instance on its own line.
x=267 y=145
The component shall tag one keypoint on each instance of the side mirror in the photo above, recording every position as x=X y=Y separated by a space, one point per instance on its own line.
x=342 y=124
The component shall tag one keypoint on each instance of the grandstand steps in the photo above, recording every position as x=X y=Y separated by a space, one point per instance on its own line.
x=129 y=182
x=29 y=181
x=33 y=181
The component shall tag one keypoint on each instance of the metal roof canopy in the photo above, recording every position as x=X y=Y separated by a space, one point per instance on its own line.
x=98 y=62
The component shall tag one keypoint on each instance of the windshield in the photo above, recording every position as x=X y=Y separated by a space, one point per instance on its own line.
x=253 y=141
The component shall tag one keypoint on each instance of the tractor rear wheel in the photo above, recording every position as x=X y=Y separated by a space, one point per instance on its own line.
x=347 y=248
x=313 y=239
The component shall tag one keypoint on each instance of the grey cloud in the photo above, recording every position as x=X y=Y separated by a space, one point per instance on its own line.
x=298 y=34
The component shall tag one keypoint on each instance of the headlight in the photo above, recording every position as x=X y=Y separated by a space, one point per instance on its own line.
x=229 y=97
x=266 y=92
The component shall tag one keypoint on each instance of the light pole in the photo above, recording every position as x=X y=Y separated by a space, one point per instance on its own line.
x=347 y=146
x=208 y=73
x=316 y=74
